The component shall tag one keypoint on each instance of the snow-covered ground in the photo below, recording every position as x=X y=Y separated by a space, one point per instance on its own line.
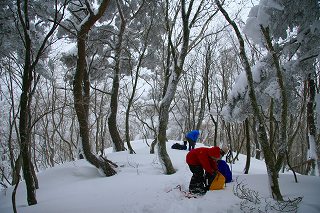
x=141 y=187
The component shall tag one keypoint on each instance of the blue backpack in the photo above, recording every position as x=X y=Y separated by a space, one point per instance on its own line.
x=225 y=170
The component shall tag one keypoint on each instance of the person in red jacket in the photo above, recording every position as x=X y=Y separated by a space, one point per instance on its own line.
x=203 y=164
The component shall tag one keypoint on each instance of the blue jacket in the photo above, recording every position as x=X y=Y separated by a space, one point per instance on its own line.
x=193 y=135
x=225 y=170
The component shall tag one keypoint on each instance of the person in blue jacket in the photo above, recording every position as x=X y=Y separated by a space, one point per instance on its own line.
x=225 y=170
x=192 y=138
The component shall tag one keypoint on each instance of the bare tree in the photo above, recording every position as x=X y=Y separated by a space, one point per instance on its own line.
x=206 y=77
x=29 y=81
x=112 y=119
x=145 y=39
x=81 y=86
x=9 y=82
x=178 y=59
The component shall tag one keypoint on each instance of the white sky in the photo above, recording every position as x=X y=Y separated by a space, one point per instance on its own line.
x=141 y=187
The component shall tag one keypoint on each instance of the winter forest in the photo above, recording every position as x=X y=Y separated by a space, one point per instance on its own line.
x=80 y=76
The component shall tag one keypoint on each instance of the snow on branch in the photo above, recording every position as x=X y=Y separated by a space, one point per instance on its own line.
x=251 y=201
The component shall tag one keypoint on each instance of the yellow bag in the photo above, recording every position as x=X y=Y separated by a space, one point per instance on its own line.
x=218 y=182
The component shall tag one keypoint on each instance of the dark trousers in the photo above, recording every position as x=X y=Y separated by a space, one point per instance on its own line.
x=197 y=182
x=192 y=143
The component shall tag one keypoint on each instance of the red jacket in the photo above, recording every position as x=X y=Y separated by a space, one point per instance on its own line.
x=201 y=157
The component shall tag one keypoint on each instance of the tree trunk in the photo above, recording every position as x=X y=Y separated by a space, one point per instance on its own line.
x=205 y=84
x=171 y=88
x=208 y=62
x=255 y=139
x=23 y=124
x=130 y=103
x=112 y=120
x=153 y=144
x=13 y=196
x=248 y=145
x=31 y=59
x=131 y=151
x=162 y=138
x=25 y=151
x=262 y=133
x=81 y=92
x=81 y=102
x=282 y=149
x=311 y=126
x=16 y=170
x=12 y=124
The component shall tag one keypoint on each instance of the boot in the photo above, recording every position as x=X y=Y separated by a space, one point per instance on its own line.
x=197 y=186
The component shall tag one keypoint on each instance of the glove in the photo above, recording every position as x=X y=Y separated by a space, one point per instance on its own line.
x=214 y=174
x=209 y=178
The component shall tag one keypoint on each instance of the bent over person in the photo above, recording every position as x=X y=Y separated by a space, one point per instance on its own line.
x=203 y=165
